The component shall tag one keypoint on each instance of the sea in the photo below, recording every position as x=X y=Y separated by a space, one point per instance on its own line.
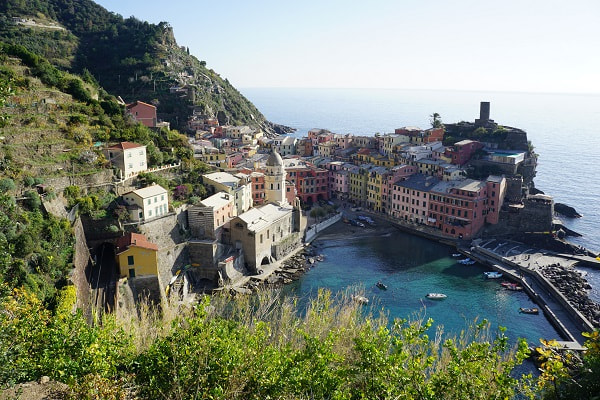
x=565 y=132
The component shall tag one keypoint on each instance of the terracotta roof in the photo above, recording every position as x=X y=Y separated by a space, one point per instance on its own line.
x=135 y=103
x=125 y=146
x=134 y=239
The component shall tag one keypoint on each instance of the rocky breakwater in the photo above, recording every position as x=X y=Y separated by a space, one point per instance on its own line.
x=290 y=270
x=574 y=287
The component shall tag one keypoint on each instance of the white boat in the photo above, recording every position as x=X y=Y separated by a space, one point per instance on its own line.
x=456 y=254
x=465 y=261
x=492 y=275
x=436 y=296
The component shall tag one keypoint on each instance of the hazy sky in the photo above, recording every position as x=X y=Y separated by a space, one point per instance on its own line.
x=507 y=45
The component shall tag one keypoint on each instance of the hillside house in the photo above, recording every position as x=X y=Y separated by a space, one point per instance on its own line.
x=136 y=256
x=129 y=158
x=143 y=112
x=147 y=203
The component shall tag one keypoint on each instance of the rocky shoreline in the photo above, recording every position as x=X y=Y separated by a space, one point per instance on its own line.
x=575 y=288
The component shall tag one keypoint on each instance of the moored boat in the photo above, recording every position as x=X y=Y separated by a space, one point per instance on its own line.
x=436 y=296
x=456 y=254
x=381 y=285
x=532 y=310
x=511 y=286
x=492 y=274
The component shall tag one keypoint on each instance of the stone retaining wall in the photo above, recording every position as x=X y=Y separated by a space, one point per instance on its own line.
x=312 y=231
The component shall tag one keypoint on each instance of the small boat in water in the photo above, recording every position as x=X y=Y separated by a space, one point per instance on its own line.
x=492 y=274
x=436 y=296
x=456 y=254
x=533 y=310
x=381 y=285
x=511 y=286
x=464 y=261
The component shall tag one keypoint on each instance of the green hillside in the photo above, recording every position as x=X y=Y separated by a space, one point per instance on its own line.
x=129 y=58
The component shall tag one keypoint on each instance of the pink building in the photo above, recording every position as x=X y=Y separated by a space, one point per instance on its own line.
x=462 y=151
x=257 y=181
x=290 y=192
x=410 y=198
x=496 y=188
x=460 y=208
x=143 y=112
x=397 y=173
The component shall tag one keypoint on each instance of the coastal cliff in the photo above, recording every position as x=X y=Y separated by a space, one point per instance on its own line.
x=129 y=58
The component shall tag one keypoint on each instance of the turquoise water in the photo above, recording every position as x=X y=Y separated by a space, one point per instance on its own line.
x=411 y=267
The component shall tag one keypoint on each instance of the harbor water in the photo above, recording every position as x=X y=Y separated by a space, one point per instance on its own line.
x=411 y=267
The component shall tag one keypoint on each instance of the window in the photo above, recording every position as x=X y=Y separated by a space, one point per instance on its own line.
x=130 y=260
x=149 y=201
x=156 y=199
x=162 y=197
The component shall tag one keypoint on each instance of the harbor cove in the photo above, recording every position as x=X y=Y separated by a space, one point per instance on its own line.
x=412 y=266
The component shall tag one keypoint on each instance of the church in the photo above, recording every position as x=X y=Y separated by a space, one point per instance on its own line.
x=269 y=232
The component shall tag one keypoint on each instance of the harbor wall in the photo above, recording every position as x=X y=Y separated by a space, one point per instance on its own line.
x=581 y=321
x=313 y=230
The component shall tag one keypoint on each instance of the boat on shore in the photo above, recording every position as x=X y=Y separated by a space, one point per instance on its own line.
x=381 y=285
x=492 y=274
x=532 y=310
x=436 y=296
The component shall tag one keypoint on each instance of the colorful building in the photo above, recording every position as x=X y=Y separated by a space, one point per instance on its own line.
x=136 y=256
x=410 y=198
x=143 y=112
x=462 y=151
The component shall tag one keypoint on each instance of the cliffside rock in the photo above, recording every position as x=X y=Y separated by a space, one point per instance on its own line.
x=566 y=210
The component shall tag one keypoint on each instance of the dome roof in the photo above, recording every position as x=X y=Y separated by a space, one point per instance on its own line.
x=274 y=160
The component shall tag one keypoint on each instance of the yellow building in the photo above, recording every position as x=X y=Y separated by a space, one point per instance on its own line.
x=375 y=179
x=136 y=256
x=358 y=185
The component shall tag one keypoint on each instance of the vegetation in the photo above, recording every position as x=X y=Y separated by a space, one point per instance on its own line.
x=435 y=120
x=254 y=347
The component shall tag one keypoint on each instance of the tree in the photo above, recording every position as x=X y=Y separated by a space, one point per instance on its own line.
x=435 y=120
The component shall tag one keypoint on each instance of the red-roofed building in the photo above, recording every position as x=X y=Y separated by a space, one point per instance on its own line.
x=143 y=112
x=136 y=256
x=128 y=157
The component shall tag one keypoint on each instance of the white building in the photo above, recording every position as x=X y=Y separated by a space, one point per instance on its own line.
x=147 y=203
x=238 y=186
x=128 y=157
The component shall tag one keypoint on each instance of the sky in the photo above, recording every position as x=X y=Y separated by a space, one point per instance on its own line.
x=508 y=45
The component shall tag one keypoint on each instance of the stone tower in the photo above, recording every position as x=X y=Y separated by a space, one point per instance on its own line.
x=275 y=180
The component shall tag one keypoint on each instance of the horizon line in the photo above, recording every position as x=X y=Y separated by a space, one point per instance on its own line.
x=421 y=89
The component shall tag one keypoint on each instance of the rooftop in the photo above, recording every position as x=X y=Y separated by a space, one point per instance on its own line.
x=217 y=200
x=419 y=182
x=149 y=191
x=134 y=239
x=260 y=217
x=223 y=178
x=126 y=146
